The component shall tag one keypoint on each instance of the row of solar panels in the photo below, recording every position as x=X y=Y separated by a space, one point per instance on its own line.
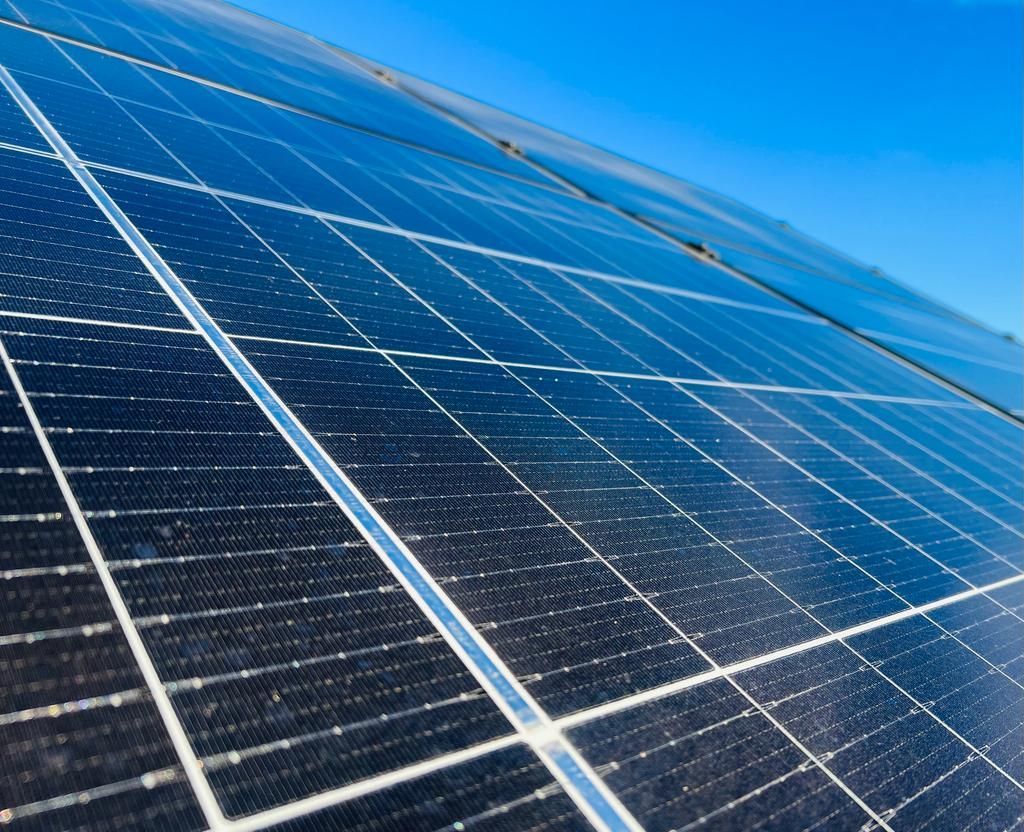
x=243 y=51
x=757 y=573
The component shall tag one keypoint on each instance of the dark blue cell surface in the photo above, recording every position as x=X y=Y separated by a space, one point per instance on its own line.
x=770 y=251
x=934 y=337
x=252 y=54
x=15 y=128
x=708 y=758
x=517 y=570
x=60 y=256
x=990 y=627
x=962 y=687
x=96 y=125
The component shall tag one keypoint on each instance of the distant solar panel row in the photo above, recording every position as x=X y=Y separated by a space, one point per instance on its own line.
x=861 y=298
x=351 y=485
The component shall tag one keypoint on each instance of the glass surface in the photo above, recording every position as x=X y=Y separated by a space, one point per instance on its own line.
x=656 y=496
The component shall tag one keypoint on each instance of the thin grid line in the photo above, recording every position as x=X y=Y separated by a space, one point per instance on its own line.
x=566 y=183
x=795 y=426
x=870 y=441
x=31 y=151
x=581 y=717
x=458 y=244
x=149 y=780
x=176 y=732
x=91 y=703
x=781 y=456
x=651 y=694
x=924 y=345
x=646 y=600
x=67 y=319
x=334 y=797
x=806 y=473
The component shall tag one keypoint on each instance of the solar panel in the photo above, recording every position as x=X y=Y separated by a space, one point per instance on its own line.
x=359 y=474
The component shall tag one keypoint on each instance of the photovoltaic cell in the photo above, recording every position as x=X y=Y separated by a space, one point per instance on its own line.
x=990 y=628
x=843 y=592
x=490 y=543
x=959 y=687
x=98 y=128
x=957 y=349
x=60 y=256
x=16 y=129
x=881 y=497
x=338 y=171
x=250 y=53
x=687 y=210
x=757 y=573
x=867 y=572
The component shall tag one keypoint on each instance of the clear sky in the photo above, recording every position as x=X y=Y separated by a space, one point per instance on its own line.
x=890 y=129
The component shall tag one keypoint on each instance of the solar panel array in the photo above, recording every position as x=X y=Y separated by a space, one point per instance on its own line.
x=360 y=473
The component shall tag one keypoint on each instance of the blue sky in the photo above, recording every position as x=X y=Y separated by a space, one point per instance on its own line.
x=890 y=129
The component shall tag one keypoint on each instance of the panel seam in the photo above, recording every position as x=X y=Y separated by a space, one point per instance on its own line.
x=563 y=183
x=781 y=312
